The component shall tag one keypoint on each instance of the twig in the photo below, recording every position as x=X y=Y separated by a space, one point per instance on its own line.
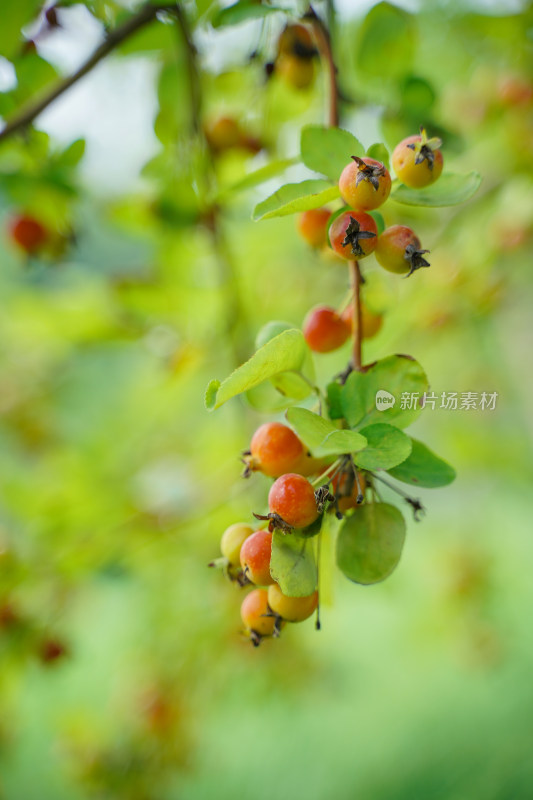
x=323 y=38
x=146 y=14
x=357 y=332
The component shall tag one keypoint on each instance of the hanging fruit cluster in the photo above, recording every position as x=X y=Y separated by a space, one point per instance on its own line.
x=327 y=464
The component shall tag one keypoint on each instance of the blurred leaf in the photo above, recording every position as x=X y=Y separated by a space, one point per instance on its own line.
x=380 y=153
x=423 y=468
x=449 y=190
x=387 y=446
x=15 y=14
x=396 y=375
x=321 y=436
x=72 y=155
x=293 y=564
x=386 y=42
x=418 y=98
x=285 y=352
x=260 y=175
x=370 y=543
x=241 y=12
x=328 y=150
x=294 y=197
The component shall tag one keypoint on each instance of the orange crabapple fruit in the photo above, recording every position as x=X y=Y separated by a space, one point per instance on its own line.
x=274 y=450
x=353 y=234
x=255 y=558
x=232 y=540
x=291 y=609
x=312 y=226
x=292 y=498
x=417 y=160
x=364 y=183
x=325 y=330
x=257 y=618
x=398 y=250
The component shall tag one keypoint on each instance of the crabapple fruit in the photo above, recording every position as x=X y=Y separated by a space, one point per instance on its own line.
x=325 y=330
x=28 y=233
x=364 y=183
x=256 y=615
x=293 y=499
x=232 y=540
x=295 y=71
x=255 y=557
x=274 y=450
x=312 y=226
x=353 y=234
x=417 y=160
x=398 y=250
x=291 y=609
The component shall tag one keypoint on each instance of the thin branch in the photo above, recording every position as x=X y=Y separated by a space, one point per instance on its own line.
x=192 y=68
x=323 y=38
x=27 y=115
x=357 y=325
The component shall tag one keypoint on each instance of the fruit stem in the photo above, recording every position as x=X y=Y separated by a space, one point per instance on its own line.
x=356 y=281
x=414 y=502
x=335 y=467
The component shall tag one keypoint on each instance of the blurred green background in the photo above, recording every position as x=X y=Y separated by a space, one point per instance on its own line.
x=116 y=484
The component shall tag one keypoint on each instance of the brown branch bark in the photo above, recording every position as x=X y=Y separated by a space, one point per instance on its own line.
x=146 y=14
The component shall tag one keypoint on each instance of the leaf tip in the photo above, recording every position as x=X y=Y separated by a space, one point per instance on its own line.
x=211 y=394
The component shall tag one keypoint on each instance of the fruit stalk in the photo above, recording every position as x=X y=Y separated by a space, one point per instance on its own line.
x=357 y=326
x=323 y=37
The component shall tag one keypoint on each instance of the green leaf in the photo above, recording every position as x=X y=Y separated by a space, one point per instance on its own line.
x=418 y=97
x=293 y=565
x=15 y=14
x=72 y=155
x=285 y=352
x=423 y=468
x=260 y=175
x=296 y=385
x=333 y=391
x=386 y=44
x=370 y=543
x=294 y=197
x=241 y=12
x=311 y=428
x=387 y=447
x=380 y=153
x=394 y=375
x=339 y=442
x=449 y=190
x=328 y=150
x=321 y=436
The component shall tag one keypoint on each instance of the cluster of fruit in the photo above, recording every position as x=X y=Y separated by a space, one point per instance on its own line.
x=352 y=232
x=296 y=500
x=276 y=451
